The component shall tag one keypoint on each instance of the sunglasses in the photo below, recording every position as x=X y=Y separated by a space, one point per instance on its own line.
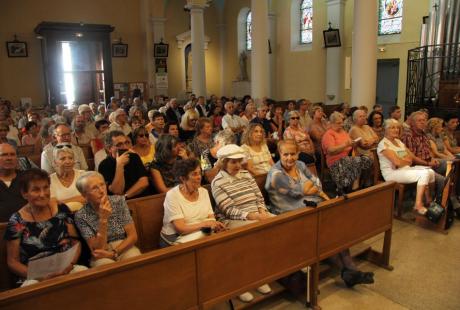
x=143 y=135
x=61 y=146
x=295 y=117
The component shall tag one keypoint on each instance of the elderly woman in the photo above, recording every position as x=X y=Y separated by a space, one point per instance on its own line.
x=119 y=122
x=375 y=121
x=39 y=229
x=203 y=137
x=368 y=139
x=436 y=136
x=167 y=150
x=289 y=183
x=188 y=211
x=259 y=158
x=188 y=125
x=301 y=137
x=142 y=145
x=395 y=164
x=104 y=222
x=337 y=146
x=63 y=181
x=208 y=159
x=238 y=198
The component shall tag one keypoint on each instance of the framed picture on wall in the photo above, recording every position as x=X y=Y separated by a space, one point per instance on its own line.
x=119 y=50
x=16 y=49
x=160 y=50
x=331 y=38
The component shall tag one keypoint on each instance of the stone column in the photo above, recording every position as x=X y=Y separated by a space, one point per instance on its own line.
x=198 y=58
x=334 y=55
x=364 y=53
x=158 y=26
x=259 y=54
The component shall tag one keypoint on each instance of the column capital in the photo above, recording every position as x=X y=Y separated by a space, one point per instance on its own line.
x=196 y=4
x=334 y=2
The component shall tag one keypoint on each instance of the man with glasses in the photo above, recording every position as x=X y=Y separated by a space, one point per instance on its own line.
x=261 y=118
x=62 y=136
x=123 y=170
x=11 y=199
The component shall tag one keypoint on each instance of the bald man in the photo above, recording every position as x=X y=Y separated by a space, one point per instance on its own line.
x=11 y=199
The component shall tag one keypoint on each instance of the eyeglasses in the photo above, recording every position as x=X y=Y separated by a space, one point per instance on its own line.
x=123 y=143
x=60 y=146
x=295 y=117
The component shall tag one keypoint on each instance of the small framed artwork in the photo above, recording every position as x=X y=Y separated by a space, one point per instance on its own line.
x=16 y=49
x=160 y=50
x=331 y=38
x=119 y=50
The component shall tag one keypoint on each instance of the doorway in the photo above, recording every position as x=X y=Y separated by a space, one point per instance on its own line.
x=387 y=83
x=77 y=62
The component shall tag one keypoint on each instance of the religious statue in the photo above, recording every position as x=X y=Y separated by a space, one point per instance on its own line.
x=243 y=64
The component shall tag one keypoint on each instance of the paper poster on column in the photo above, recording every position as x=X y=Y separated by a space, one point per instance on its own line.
x=161 y=80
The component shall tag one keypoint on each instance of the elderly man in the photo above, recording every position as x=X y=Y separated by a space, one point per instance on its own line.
x=79 y=134
x=232 y=121
x=123 y=170
x=174 y=112
x=261 y=118
x=120 y=122
x=11 y=199
x=418 y=143
x=62 y=136
x=88 y=116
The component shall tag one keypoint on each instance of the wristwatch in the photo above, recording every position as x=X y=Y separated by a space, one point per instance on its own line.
x=115 y=254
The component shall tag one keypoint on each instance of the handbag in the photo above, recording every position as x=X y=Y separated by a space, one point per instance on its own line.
x=434 y=212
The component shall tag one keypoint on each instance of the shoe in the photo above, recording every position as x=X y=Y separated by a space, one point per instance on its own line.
x=350 y=277
x=264 y=289
x=367 y=277
x=246 y=297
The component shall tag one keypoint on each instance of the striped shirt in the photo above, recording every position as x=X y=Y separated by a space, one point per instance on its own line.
x=236 y=196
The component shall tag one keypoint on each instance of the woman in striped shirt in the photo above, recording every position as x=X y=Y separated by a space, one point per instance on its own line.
x=238 y=198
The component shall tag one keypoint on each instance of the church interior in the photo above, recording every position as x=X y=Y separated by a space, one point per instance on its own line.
x=358 y=52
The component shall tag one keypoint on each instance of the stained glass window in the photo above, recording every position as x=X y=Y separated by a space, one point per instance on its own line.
x=390 y=16
x=249 y=31
x=306 y=21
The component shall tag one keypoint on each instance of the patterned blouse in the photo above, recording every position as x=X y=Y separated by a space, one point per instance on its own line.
x=301 y=137
x=41 y=239
x=417 y=143
x=87 y=220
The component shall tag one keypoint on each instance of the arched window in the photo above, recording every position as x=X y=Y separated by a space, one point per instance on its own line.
x=390 y=16
x=306 y=21
x=249 y=31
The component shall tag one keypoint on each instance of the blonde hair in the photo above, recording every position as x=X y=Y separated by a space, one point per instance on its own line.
x=434 y=122
x=190 y=113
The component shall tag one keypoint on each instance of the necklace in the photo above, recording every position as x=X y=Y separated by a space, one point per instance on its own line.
x=30 y=209
x=66 y=181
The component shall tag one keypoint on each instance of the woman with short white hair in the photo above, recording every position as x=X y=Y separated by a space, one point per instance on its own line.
x=63 y=181
x=105 y=222
x=395 y=163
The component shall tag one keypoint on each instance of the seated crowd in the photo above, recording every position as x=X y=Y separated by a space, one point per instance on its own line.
x=139 y=149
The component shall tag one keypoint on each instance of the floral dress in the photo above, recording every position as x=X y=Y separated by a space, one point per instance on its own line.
x=41 y=239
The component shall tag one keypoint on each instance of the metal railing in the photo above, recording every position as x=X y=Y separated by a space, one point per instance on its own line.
x=427 y=66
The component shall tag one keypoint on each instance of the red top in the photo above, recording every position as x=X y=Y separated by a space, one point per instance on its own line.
x=334 y=138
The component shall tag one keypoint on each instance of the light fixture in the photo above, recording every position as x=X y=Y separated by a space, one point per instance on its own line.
x=381 y=49
x=79 y=34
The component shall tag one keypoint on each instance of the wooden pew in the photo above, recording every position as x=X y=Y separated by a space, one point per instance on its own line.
x=89 y=156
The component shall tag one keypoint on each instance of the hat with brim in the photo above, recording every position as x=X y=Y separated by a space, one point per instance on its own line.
x=232 y=151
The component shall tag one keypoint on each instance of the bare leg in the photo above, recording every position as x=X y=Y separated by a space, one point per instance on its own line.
x=421 y=191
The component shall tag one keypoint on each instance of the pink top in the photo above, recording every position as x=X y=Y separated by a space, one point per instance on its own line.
x=333 y=138
x=301 y=137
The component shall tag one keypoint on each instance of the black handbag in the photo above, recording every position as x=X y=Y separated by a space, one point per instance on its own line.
x=434 y=212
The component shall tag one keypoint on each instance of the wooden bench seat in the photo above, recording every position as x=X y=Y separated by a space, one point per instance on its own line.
x=220 y=266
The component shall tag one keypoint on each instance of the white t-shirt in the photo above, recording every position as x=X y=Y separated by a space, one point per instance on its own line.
x=59 y=191
x=386 y=166
x=177 y=207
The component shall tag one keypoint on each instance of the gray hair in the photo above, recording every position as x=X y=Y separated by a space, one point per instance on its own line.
x=390 y=122
x=293 y=112
x=63 y=149
x=82 y=181
x=225 y=137
x=58 y=125
x=355 y=114
x=335 y=116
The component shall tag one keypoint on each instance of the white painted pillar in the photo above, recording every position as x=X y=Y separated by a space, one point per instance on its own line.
x=259 y=54
x=158 y=25
x=198 y=57
x=364 y=53
x=149 y=48
x=272 y=57
x=334 y=55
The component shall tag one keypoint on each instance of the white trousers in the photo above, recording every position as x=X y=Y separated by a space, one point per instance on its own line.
x=417 y=174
